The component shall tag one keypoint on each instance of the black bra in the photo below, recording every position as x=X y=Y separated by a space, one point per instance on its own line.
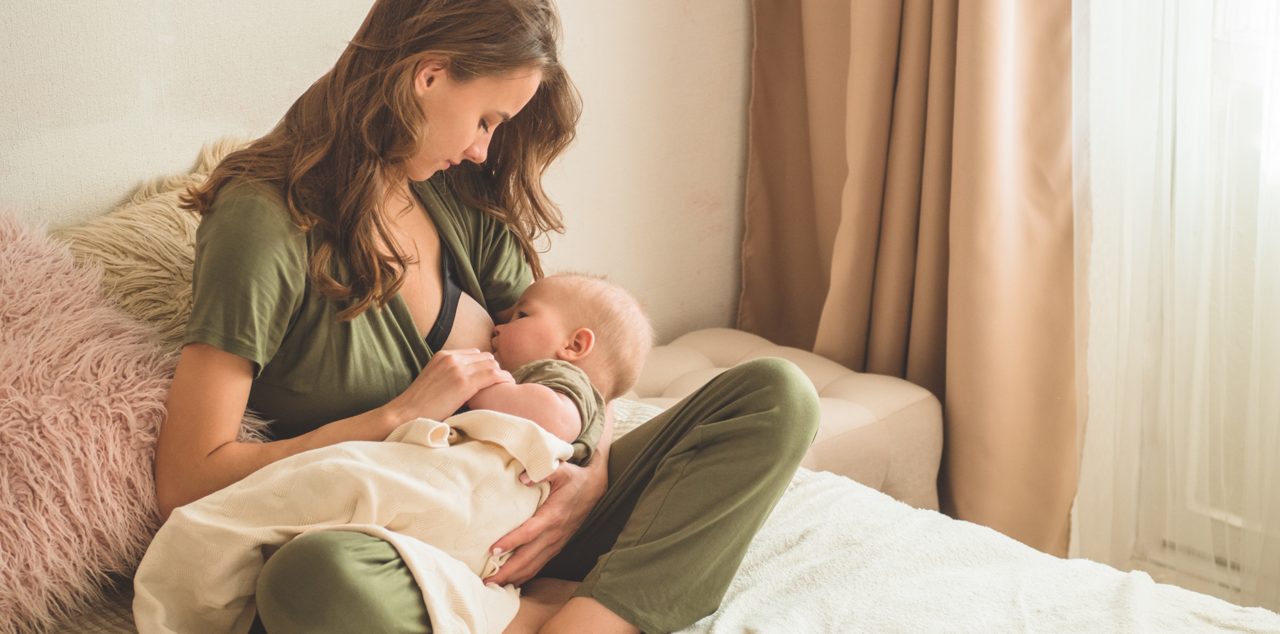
x=448 y=304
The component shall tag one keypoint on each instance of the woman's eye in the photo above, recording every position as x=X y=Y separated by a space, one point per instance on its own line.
x=484 y=125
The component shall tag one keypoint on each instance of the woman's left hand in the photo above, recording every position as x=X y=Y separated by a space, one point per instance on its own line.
x=574 y=492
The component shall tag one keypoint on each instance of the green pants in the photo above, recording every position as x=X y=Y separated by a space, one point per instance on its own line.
x=687 y=492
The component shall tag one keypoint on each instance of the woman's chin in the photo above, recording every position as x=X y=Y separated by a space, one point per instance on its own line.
x=418 y=176
x=425 y=170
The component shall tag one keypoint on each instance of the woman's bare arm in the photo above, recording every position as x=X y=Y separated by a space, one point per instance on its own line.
x=197 y=452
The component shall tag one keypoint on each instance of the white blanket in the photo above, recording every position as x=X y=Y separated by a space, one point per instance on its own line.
x=836 y=556
x=440 y=505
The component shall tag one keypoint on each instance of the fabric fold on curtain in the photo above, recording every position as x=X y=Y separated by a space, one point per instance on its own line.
x=909 y=213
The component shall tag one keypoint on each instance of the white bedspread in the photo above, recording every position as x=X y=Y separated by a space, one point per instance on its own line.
x=836 y=556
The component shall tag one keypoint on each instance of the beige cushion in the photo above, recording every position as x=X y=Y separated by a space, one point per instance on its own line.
x=881 y=431
x=145 y=248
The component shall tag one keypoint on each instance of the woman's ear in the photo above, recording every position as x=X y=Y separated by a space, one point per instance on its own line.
x=428 y=73
x=580 y=344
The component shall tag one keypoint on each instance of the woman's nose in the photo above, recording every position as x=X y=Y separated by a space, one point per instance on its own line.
x=479 y=150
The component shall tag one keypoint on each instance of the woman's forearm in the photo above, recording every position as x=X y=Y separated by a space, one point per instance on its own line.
x=200 y=475
x=197 y=452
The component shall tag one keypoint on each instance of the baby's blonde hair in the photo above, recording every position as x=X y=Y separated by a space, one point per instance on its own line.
x=623 y=333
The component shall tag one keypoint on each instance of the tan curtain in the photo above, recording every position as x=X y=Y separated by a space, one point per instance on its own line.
x=909 y=213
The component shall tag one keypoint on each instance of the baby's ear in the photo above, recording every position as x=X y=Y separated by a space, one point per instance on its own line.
x=580 y=343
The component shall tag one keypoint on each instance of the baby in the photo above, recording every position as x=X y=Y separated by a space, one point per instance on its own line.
x=574 y=343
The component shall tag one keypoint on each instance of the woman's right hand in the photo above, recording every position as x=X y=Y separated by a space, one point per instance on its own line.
x=448 y=381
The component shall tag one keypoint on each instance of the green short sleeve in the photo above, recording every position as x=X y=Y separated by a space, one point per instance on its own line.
x=502 y=271
x=492 y=265
x=250 y=274
x=569 y=380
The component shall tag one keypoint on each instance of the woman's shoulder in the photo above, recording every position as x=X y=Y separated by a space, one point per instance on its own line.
x=253 y=202
x=250 y=220
x=252 y=210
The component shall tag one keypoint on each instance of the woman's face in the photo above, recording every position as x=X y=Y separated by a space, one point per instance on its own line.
x=462 y=116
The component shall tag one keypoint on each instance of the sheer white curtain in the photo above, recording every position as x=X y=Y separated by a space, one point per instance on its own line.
x=1177 y=126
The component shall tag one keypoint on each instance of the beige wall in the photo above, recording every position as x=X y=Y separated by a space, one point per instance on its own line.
x=97 y=96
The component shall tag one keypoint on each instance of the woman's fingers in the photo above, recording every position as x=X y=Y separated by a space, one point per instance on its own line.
x=475 y=362
x=523 y=565
x=521 y=535
x=449 y=379
x=461 y=358
x=472 y=369
x=534 y=550
x=513 y=569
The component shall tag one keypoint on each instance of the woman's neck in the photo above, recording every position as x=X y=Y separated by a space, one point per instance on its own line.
x=397 y=201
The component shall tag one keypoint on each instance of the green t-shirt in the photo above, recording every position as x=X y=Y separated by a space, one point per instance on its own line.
x=570 y=380
x=253 y=298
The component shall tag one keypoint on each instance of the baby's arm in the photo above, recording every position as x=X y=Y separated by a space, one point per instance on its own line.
x=548 y=408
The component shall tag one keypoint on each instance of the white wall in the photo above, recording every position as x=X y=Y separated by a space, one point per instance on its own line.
x=98 y=96
x=653 y=189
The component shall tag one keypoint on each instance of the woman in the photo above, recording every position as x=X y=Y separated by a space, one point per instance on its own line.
x=349 y=269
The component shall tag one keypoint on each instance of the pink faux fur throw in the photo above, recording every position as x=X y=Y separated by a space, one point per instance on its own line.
x=82 y=392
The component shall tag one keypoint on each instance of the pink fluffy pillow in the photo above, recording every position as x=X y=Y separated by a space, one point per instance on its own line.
x=82 y=392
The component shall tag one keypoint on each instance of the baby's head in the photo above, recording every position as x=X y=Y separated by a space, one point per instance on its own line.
x=587 y=321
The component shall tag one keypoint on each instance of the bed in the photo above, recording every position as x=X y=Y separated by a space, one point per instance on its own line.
x=853 y=545
x=837 y=555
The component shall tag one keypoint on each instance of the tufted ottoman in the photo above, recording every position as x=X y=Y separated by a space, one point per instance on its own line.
x=881 y=431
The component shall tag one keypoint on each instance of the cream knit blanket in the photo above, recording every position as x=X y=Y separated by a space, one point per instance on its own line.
x=441 y=505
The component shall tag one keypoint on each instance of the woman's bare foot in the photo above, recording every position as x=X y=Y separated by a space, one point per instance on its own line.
x=539 y=600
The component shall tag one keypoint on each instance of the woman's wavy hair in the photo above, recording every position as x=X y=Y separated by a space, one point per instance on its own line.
x=351 y=132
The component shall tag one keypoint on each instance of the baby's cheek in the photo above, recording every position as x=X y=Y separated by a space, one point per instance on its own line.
x=511 y=359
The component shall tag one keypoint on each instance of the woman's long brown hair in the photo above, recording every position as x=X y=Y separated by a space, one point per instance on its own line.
x=350 y=133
